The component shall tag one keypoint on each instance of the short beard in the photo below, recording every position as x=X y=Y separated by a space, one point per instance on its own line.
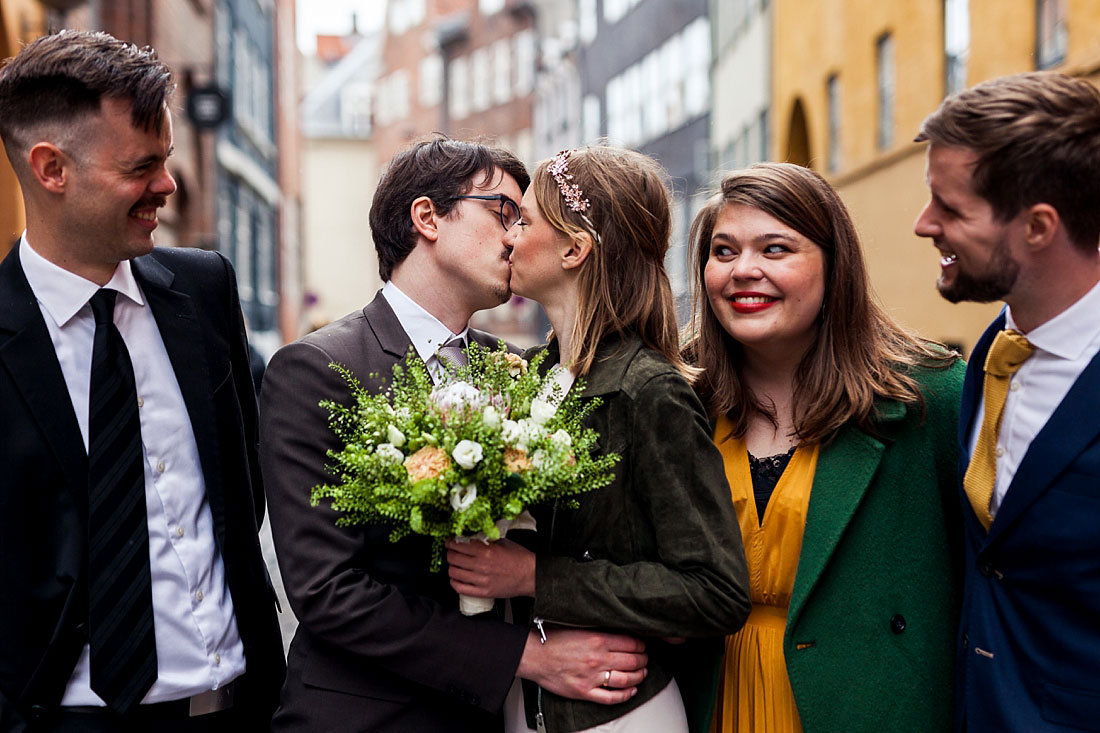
x=993 y=285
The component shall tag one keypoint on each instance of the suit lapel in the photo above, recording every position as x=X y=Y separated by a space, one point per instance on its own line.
x=185 y=343
x=387 y=329
x=1071 y=429
x=845 y=468
x=26 y=351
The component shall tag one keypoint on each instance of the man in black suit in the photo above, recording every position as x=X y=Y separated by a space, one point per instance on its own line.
x=381 y=645
x=134 y=593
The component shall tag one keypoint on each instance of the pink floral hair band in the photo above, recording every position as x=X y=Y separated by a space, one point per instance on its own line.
x=571 y=192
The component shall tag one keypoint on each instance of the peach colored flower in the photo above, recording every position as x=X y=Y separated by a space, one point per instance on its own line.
x=516 y=460
x=517 y=365
x=428 y=462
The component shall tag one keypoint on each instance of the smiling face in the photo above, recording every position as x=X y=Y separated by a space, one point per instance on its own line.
x=765 y=282
x=536 y=249
x=977 y=260
x=471 y=255
x=118 y=180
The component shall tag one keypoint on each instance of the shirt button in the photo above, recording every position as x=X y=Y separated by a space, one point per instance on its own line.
x=141 y=402
x=1014 y=386
x=217 y=658
x=179 y=531
x=1000 y=451
x=161 y=467
x=198 y=596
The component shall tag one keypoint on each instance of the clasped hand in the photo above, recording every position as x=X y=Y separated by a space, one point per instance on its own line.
x=500 y=569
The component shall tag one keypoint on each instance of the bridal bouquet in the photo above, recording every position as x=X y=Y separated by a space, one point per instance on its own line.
x=462 y=458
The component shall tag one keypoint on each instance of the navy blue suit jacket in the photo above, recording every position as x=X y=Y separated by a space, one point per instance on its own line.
x=1029 y=637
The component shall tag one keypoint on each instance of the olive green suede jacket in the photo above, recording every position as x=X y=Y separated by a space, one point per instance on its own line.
x=658 y=552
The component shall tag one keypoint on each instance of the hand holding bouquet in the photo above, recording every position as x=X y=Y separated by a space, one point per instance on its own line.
x=464 y=457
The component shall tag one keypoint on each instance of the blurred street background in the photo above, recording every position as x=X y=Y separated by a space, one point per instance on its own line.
x=286 y=114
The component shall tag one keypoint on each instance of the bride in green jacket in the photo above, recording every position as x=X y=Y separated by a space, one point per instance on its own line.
x=657 y=553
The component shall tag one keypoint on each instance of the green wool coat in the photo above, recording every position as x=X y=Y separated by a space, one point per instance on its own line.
x=870 y=632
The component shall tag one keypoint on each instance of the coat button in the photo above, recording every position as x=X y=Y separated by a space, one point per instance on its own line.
x=897 y=623
x=38 y=712
x=986 y=569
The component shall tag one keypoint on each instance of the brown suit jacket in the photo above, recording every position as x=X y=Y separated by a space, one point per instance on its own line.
x=380 y=644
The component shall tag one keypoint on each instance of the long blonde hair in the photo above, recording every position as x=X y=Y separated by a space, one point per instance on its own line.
x=859 y=353
x=623 y=286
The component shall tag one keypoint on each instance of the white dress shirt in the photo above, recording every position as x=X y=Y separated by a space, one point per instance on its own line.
x=198 y=645
x=1064 y=346
x=425 y=331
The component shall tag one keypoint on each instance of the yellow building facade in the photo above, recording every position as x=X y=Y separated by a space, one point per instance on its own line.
x=835 y=62
x=21 y=21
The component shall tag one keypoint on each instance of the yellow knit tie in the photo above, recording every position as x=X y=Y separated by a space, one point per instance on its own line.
x=1010 y=350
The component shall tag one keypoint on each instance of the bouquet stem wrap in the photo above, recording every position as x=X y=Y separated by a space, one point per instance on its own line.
x=472 y=605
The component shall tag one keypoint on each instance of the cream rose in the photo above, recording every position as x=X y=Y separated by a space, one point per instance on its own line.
x=467 y=453
x=462 y=496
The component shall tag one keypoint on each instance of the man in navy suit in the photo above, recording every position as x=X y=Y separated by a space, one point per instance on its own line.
x=1014 y=171
x=133 y=595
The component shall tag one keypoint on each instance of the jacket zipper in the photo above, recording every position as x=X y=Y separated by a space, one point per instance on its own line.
x=540 y=719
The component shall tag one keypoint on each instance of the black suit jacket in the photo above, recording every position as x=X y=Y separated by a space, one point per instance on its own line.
x=43 y=478
x=380 y=644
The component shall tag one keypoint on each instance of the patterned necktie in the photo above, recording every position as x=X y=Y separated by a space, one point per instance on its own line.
x=450 y=354
x=120 y=594
x=1009 y=351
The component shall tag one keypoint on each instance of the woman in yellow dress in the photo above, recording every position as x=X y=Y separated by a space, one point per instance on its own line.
x=837 y=429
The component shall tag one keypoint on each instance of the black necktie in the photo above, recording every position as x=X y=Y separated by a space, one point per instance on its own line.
x=120 y=591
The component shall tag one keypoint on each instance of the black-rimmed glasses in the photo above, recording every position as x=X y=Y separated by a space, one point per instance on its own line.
x=509 y=209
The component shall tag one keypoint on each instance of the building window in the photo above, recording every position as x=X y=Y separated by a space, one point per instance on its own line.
x=832 y=97
x=1051 y=33
x=459 y=98
x=431 y=80
x=479 y=79
x=614 y=10
x=502 y=71
x=697 y=75
x=526 y=50
x=488 y=7
x=405 y=14
x=590 y=119
x=956 y=44
x=884 y=57
x=393 y=98
x=587 y=20
x=243 y=249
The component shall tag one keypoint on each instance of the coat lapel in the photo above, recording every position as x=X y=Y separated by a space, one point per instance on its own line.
x=185 y=343
x=845 y=468
x=1069 y=431
x=26 y=352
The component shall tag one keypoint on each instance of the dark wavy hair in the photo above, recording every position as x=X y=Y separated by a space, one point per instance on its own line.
x=859 y=353
x=441 y=169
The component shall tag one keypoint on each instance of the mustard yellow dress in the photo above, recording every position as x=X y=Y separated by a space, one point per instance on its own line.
x=756 y=693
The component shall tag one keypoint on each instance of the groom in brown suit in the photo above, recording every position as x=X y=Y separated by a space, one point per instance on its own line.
x=381 y=645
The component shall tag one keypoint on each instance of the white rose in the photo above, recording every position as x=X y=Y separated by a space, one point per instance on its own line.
x=491 y=417
x=389 y=452
x=467 y=453
x=511 y=432
x=538 y=458
x=403 y=413
x=561 y=438
x=542 y=410
x=463 y=496
x=395 y=436
x=457 y=394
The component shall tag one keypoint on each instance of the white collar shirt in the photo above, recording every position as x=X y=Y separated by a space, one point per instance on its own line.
x=197 y=641
x=1064 y=346
x=426 y=332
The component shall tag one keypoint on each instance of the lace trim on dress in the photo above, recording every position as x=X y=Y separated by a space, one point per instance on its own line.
x=766 y=473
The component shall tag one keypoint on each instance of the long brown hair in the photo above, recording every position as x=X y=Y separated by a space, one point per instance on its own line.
x=623 y=286
x=859 y=353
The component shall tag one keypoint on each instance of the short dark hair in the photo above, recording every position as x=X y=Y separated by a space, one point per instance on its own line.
x=67 y=74
x=441 y=169
x=1037 y=138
